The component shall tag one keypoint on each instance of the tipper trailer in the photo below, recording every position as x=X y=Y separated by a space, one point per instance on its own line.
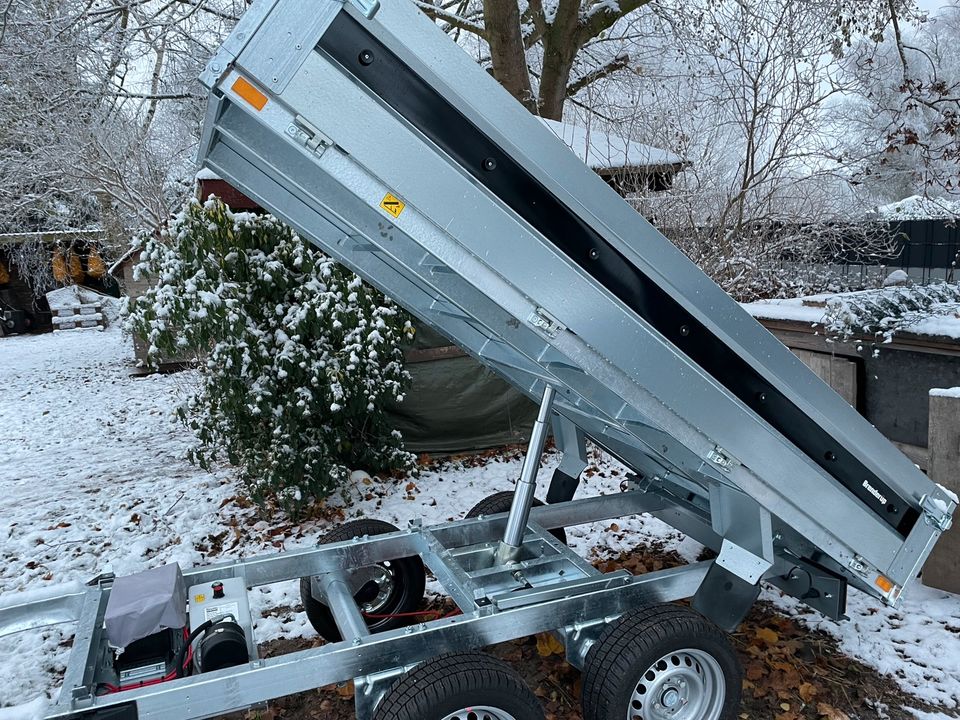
x=369 y=131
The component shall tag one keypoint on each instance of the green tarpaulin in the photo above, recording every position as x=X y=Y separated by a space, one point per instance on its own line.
x=456 y=404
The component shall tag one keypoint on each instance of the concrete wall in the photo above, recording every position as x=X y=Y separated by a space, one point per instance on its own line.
x=896 y=391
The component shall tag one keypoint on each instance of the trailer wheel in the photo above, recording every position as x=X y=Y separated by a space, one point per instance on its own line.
x=460 y=686
x=384 y=592
x=500 y=503
x=663 y=662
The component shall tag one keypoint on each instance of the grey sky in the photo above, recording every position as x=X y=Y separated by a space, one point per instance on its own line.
x=932 y=5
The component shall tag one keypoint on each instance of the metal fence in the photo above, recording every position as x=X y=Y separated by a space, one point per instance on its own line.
x=926 y=250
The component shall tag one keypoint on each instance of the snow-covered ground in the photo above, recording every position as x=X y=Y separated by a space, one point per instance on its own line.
x=93 y=477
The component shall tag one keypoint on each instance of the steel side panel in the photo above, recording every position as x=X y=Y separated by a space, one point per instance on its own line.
x=286 y=207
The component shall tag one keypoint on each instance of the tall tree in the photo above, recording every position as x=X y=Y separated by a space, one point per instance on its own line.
x=545 y=52
x=905 y=111
x=101 y=108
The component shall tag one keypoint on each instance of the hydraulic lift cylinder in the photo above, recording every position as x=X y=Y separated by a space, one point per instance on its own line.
x=526 y=487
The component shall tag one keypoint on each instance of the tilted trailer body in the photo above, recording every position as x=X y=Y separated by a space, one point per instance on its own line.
x=368 y=130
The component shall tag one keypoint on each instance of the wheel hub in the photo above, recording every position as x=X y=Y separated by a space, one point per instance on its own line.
x=372 y=586
x=684 y=685
x=478 y=712
x=670 y=698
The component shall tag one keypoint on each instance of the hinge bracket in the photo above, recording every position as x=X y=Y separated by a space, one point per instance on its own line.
x=545 y=323
x=938 y=509
x=308 y=135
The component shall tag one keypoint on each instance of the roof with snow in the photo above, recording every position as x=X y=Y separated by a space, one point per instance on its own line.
x=603 y=151
x=51 y=238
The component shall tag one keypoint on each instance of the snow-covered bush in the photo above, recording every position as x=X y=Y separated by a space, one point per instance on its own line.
x=883 y=313
x=300 y=355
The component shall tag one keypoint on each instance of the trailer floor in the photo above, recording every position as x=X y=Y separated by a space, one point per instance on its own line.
x=92 y=474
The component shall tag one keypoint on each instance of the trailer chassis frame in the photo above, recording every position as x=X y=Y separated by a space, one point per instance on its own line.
x=548 y=588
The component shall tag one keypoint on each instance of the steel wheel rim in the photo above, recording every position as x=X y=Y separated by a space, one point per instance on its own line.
x=385 y=579
x=479 y=712
x=683 y=685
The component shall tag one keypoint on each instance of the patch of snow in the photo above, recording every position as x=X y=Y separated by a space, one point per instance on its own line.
x=74 y=296
x=93 y=472
x=789 y=309
x=33 y=710
x=897 y=277
x=921 y=715
x=94 y=477
x=945 y=392
x=917 y=644
x=207 y=174
x=946 y=326
x=918 y=207
x=359 y=476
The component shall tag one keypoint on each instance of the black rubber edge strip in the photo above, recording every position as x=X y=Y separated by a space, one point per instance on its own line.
x=372 y=64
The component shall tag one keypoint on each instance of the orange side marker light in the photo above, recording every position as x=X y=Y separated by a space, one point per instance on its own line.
x=245 y=89
x=884 y=584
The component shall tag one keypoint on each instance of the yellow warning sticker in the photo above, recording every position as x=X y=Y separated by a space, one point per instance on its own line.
x=392 y=205
x=199 y=598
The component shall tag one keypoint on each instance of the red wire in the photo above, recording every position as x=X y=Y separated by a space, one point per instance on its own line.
x=422 y=613
x=373 y=616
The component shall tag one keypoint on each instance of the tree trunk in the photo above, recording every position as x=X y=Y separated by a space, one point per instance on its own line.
x=561 y=43
x=502 y=18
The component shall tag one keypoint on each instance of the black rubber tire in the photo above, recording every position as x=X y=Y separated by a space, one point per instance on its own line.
x=456 y=681
x=410 y=580
x=500 y=503
x=627 y=648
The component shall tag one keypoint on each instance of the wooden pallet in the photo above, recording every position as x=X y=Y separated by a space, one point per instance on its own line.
x=79 y=317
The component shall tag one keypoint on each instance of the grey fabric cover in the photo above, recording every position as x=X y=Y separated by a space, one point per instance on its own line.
x=146 y=603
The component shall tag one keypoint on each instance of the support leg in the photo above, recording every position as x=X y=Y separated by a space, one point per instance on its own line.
x=572 y=443
x=523 y=495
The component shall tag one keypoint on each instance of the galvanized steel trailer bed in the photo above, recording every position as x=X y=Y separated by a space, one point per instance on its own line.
x=377 y=138
x=369 y=131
